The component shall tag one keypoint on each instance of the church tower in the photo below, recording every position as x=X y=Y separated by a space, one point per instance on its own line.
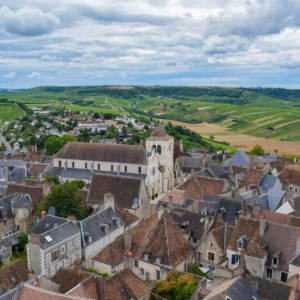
x=163 y=145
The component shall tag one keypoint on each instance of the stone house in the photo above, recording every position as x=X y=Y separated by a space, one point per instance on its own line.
x=54 y=242
x=290 y=179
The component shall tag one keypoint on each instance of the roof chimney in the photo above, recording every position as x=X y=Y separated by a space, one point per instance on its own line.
x=193 y=172
x=6 y=173
x=128 y=240
x=35 y=239
x=256 y=207
x=160 y=211
x=109 y=201
x=196 y=206
x=206 y=223
x=118 y=169
x=184 y=250
x=43 y=214
x=170 y=200
x=46 y=188
x=73 y=219
x=262 y=225
x=220 y=216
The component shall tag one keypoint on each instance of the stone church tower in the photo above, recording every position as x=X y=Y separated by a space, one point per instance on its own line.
x=162 y=145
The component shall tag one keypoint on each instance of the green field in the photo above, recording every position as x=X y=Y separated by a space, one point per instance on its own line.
x=9 y=113
x=268 y=113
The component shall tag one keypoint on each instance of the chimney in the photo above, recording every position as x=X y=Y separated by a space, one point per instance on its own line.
x=6 y=172
x=206 y=223
x=46 y=188
x=170 y=200
x=220 y=216
x=118 y=169
x=243 y=258
x=66 y=164
x=196 y=206
x=128 y=240
x=109 y=201
x=184 y=250
x=224 y=158
x=256 y=207
x=193 y=172
x=160 y=211
x=298 y=241
x=92 y=167
x=262 y=225
x=43 y=214
x=73 y=219
x=35 y=239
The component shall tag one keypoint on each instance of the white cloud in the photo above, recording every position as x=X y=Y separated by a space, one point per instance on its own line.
x=34 y=75
x=10 y=75
x=48 y=58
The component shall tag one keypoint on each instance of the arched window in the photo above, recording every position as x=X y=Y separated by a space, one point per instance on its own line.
x=125 y=169
x=159 y=149
x=154 y=148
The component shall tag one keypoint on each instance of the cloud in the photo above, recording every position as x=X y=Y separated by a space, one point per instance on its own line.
x=123 y=75
x=10 y=75
x=34 y=75
x=48 y=58
x=171 y=64
x=28 y=21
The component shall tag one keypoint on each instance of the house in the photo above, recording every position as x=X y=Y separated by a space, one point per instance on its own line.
x=100 y=229
x=94 y=126
x=54 y=243
x=130 y=193
x=235 y=289
x=290 y=178
x=139 y=125
x=269 y=289
x=239 y=159
x=270 y=182
x=276 y=167
x=37 y=169
x=8 y=245
x=18 y=173
x=12 y=276
x=107 y=141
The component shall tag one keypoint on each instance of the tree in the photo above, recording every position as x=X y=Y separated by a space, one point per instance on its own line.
x=212 y=137
x=23 y=241
x=176 y=287
x=130 y=125
x=146 y=127
x=84 y=135
x=211 y=149
x=55 y=143
x=124 y=130
x=65 y=199
x=257 y=150
x=52 y=179
x=109 y=135
x=96 y=115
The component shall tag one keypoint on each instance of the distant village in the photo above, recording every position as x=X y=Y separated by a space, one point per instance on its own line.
x=105 y=219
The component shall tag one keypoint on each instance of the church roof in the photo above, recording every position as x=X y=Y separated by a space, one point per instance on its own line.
x=160 y=133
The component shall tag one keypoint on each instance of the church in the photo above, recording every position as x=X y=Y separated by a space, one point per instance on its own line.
x=151 y=161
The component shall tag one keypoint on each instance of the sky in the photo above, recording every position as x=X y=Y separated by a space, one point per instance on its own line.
x=249 y=43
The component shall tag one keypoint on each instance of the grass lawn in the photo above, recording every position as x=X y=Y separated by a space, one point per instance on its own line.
x=17 y=256
x=219 y=145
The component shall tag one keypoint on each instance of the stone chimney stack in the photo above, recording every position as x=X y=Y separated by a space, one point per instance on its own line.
x=184 y=250
x=243 y=258
x=193 y=172
x=72 y=219
x=160 y=211
x=256 y=207
x=6 y=172
x=43 y=214
x=170 y=200
x=118 y=169
x=262 y=225
x=128 y=240
x=46 y=188
x=206 y=224
x=109 y=201
x=220 y=216
x=35 y=239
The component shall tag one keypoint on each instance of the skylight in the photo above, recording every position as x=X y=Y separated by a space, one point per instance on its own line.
x=48 y=238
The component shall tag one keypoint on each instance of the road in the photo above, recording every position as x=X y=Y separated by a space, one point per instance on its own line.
x=3 y=140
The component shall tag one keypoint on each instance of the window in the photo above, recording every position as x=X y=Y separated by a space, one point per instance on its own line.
x=147 y=276
x=136 y=263
x=70 y=248
x=145 y=256
x=48 y=258
x=291 y=188
x=159 y=149
x=154 y=148
x=296 y=190
x=73 y=164
x=140 y=169
x=157 y=260
x=112 y=167
x=269 y=273
x=211 y=256
x=235 y=259
x=283 y=276
x=62 y=249
x=240 y=245
x=98 y=166
x=142 y=271
x=55 y=254
x=125 y=169
x=274 y=262
x=211 y=245
x=4 y=223
x=85 y=165
x=59 y=163
x=157 y=275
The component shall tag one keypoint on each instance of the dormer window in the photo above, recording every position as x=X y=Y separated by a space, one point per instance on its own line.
x=90 y=239
x=117 y=221
x=241 y=242
x=145 y=256
x=274 y=262
x=184 y=225
x=157 y=260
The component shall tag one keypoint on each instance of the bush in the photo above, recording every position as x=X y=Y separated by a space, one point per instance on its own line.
x=156 y=195
x=152 y=197
x=91 y=270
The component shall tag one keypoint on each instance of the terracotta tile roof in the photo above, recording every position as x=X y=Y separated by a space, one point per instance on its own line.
x=219 y=233
x=269 y=289
x=290 y=174
x=125 y=215
x=90 y=287
x=36 y=156
x=192 y=188
x=273 y=216
x=178 y=197
x=211 y=187
x=286 y=160
x=35 y=192
x=253 y=176
x=16 y=270
x=239 y=170
x=37 y=168
x=275 y=163
x=103 y=152
x=78 y=291
x=132 y=286
x=112 y=254
x=124 y=189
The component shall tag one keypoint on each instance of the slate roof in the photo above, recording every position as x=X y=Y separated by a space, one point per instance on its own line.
x=35 y=192
x=11 y=163
x=269 y=289
x=18 y=173
x=21 y=200
x=187 y=164
x=13 y=275
x=103 y=152
x=296 y=261
x=90 y=226
x=239 y=159
x=126 y=190
x=6 y=204
x=10 y=240
x=2 y=173
x=46 y=224
x=217 y=171
x=268 y=181
x=76 y=173
x=290 y=174
x=37 y=168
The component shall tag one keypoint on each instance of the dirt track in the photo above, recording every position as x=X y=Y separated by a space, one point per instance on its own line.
x=241 y=141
